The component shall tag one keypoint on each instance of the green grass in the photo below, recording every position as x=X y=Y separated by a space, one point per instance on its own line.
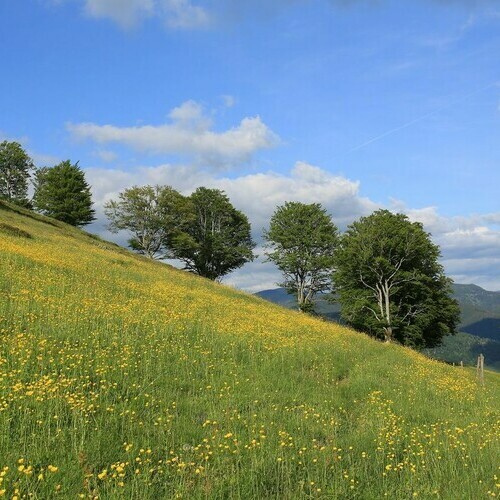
x=136 y=380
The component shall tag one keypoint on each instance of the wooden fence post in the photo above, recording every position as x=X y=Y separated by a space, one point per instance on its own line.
x=480 y=368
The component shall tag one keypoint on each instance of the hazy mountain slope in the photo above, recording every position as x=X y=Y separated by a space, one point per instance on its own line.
x=466 y=348
x=480 y=311
x=125 y=378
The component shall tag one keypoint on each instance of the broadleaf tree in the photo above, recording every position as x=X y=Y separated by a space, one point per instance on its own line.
x=390 y=283
x=63 y=193
x=15 y=171
x=152 y=215
x=301 y=241
x=218 y=238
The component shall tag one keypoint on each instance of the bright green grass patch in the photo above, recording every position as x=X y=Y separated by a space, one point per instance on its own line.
x=122 y=378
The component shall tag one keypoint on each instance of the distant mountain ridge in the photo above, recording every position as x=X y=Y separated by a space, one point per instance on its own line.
x=480 y=311
x=479 y=330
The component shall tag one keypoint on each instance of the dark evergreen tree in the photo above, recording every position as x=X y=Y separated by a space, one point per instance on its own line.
x=62 y=192
x=15 y=168
x=390 y=283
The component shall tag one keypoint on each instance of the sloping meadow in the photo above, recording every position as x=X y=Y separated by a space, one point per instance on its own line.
x=124 y=378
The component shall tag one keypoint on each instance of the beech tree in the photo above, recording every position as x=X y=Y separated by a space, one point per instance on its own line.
x=217 y=240
x=301 y=241
x=63 y=193
x=15 y=168
x=151 y=215
x=390 y=283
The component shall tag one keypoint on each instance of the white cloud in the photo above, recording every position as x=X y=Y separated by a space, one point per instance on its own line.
x=257 y=195
x=190 y=114
x=477 y=242
x=189 y=134
x=126 y=13
x=255 y=276
x=44 y=160
x=175 y=14
x=107 y=183
x=106 y=155
x=184 y=15
x=470 y=244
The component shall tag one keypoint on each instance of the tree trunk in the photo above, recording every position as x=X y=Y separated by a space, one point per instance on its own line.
x=388 y=333
x=388 y=328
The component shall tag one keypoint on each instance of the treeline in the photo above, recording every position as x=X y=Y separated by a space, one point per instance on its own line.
x=384 y=270
x=60 y=191
x=202 y=230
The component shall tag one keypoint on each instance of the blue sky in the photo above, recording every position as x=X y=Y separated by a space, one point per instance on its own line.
x=355 y=104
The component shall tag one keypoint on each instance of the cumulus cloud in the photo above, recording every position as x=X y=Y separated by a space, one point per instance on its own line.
x=182 y=14
x=44 y=160
x=126 y=13
x=107 y=183
x=255 y=276
x=190 y=133
x=470 y=244
x=480 y=272
x=175 y=14
x=257 y=195
x=187 y=15
x=190 y=114
x=106 y=155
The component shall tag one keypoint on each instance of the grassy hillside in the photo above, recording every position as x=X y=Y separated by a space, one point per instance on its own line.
x=123 y=378
x=479 y=329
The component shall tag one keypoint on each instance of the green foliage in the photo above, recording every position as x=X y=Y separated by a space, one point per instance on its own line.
x=301 y=241
x=203 y=230
x=62 y=192
x=15 y=167
x=217 y=240
x=152 y=215
x=390 y=283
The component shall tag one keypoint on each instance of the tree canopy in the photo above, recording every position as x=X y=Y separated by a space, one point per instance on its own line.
x=390 y=283
x=63 y=193
x=301 y=241
x=204 y=230
x=217 y=240
x=15 y=168
x=151 y=215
